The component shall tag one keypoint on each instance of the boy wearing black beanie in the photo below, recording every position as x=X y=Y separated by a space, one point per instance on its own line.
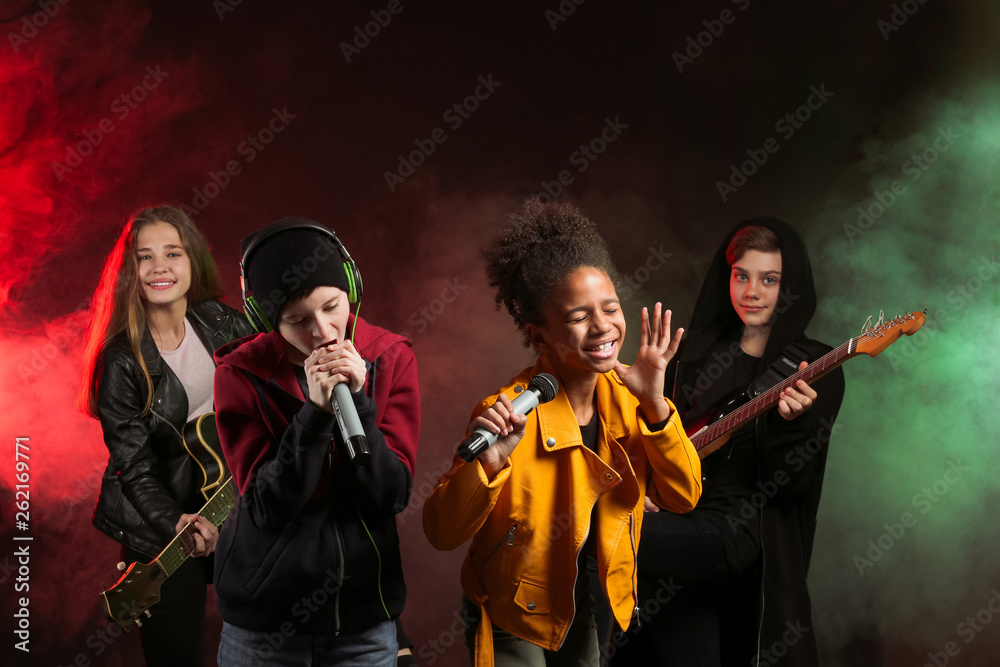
x=308 y=566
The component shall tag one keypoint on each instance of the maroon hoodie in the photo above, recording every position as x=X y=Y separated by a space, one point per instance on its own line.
x=308 y=521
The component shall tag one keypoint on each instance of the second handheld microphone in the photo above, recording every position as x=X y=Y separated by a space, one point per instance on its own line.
x=542 y=389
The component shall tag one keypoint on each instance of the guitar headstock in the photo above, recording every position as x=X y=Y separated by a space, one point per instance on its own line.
x=136 y=591
x=883 y=334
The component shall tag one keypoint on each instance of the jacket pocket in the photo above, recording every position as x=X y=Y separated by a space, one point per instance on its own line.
x=266 y=568
x=533 y=597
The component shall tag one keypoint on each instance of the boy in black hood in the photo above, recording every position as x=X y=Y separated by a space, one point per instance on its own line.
x=726 y=583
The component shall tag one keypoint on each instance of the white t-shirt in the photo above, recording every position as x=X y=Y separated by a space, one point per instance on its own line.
x=193 y=366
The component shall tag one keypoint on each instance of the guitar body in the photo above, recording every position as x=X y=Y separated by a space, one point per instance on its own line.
x=726 y=405
x=201 y=439
x=139 y=588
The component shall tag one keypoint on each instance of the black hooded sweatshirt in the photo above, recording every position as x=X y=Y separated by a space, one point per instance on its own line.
x=784 y=462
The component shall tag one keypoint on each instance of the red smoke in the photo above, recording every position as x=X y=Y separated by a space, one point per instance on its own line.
x=85 y=101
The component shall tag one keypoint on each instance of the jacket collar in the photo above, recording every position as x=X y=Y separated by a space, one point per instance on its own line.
x=206 y=319
x=556 y=431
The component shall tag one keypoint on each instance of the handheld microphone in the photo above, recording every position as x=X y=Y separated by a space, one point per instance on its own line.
x=355 y=440
x=542 y=389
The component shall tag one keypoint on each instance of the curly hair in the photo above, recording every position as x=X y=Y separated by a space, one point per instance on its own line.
x=535 y=250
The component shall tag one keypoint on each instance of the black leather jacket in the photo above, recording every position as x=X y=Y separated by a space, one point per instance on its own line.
x=151 y=479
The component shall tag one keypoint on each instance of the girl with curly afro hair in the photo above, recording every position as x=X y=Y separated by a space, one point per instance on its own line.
x=567 y=480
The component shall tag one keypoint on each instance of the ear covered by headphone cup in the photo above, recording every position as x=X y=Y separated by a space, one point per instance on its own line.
x=258 y=318
x=354 y=280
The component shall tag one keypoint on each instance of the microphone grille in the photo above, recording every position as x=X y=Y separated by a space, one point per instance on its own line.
x=546 y=385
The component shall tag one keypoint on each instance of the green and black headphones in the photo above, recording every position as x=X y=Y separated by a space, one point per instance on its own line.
x=255 y=312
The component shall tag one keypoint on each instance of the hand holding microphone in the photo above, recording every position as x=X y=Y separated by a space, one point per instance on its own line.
x=503 y=423
x=333 y=373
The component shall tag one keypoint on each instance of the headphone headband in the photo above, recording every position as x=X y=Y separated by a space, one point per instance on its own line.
x=254 y=311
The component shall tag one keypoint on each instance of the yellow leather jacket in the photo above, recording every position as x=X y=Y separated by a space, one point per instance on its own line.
x=530 y=522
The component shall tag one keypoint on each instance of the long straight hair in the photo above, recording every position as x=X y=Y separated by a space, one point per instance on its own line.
x=117 y=305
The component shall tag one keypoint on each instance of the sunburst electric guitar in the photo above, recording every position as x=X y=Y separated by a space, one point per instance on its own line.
x=872 y=341
x=138 y=589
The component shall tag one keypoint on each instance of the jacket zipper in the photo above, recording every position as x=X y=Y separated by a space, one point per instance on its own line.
x=340 y=582
x=508 y=538
x=576 y=577
x=168 y=423
x=758 y=428
x=635 y=569
x=760 y=618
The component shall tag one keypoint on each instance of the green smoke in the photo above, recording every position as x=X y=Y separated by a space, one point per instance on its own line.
x=907 y=527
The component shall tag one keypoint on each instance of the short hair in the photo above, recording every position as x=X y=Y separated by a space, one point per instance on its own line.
x=751 y=238
x=535 y=251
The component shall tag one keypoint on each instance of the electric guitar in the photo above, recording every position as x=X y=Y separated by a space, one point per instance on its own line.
x=201 y=439
x=871 y=342
x=138 y=589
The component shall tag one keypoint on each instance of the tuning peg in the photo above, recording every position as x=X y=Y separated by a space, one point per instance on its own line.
x=138 y=622
x=148 y=615
x=121 y=566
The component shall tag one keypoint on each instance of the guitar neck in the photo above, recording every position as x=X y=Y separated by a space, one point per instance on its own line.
x=215 y=510
x=769 y=398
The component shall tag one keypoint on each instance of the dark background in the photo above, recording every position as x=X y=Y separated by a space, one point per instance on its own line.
x=923 y=407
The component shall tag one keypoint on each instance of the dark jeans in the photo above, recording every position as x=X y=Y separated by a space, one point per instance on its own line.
x=174 y=634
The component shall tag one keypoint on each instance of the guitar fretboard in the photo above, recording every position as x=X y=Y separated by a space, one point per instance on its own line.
x=215 y=510
x=767 y=399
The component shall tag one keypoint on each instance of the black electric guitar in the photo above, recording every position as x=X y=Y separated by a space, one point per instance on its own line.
x=201 y=439
x=871 y=342
x=138 y=589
